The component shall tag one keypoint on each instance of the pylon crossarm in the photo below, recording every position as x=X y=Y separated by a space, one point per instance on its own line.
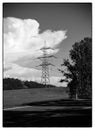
x=46 y=48
x=47 y=64
x=46 y=57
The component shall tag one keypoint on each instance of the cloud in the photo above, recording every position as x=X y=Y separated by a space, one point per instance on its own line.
x=55 y=81
x=53 y=38
x=22 y=39
x=22 y=73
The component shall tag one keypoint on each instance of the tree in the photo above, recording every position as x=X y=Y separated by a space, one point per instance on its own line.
x=79 y=72
x=11 y=84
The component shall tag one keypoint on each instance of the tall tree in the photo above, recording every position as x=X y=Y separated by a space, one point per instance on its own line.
x=79 y=72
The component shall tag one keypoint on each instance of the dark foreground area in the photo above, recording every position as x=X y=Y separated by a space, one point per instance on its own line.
x=60 y=113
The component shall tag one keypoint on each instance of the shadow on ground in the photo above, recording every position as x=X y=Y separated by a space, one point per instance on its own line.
x=73 y=114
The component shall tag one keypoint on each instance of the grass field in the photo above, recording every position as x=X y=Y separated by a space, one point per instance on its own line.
x=13 y=98
x=45 y=107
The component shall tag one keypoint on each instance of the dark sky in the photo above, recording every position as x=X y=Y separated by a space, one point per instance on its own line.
x=76 y=18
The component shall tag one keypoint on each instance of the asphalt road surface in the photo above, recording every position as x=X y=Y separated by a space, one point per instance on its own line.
x=59 y=113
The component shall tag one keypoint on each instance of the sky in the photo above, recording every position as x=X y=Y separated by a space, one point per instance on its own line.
x=27 y=25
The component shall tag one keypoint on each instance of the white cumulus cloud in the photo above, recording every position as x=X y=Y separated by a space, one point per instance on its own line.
x=22 y=38
x=22 y=72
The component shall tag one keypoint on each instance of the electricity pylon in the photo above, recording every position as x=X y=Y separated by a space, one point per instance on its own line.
x=45 y=78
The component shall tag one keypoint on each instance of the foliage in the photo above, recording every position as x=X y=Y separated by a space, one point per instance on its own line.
x=79 y=72
x=12 y=84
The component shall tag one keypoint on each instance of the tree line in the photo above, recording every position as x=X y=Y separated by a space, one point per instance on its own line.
x=12 y=84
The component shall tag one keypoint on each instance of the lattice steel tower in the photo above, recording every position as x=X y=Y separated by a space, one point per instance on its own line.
x=45 y=78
